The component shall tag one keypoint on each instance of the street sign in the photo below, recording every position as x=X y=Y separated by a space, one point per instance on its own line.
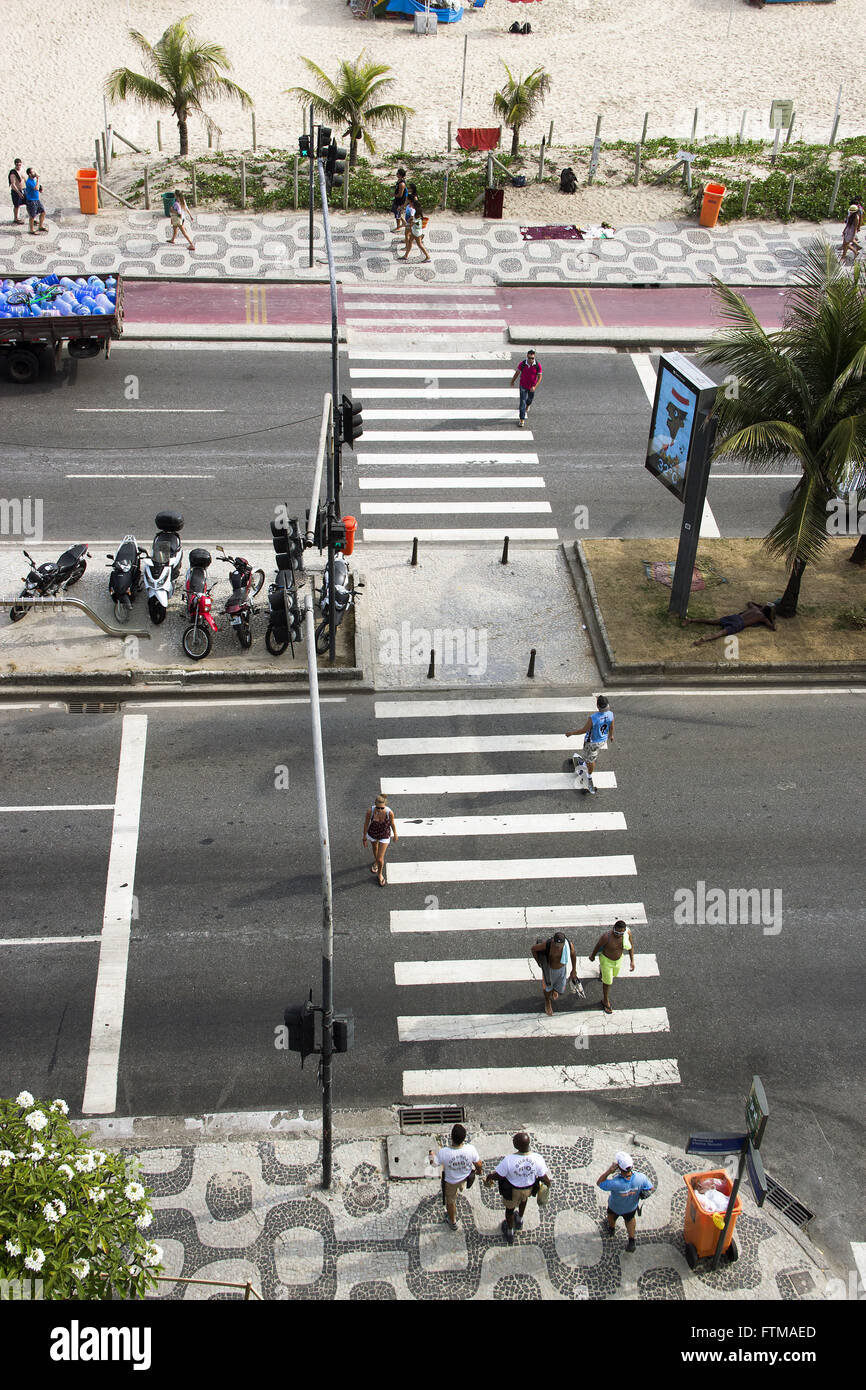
x=781 y=111
x=757 y=1176
x=716 y=1143
x=757 y=1112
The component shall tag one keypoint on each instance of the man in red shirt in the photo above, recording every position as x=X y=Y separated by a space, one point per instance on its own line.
x=529 y=371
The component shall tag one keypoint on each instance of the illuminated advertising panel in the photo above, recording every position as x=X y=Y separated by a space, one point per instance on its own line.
x=681 y=391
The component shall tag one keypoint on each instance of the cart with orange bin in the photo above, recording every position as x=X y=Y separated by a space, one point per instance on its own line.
x=701 y=1229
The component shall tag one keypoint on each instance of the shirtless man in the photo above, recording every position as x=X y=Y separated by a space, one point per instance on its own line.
x=609 y=949
x=557 y=962
x=753 y=615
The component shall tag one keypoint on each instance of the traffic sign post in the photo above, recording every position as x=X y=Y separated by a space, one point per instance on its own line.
x=746 y=1145
x=716 y=1143
x=757 y=1112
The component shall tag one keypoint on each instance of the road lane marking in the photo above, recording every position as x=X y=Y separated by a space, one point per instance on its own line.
x=122 y=477
x=482 y=783
x=44 y=940
x=150 y=410
x=94 y=806
x=479 y=870
x=520 y=704
x=528 y=1080
x=100 y=1087
x=477 y=972
x=564 y=822
x=476 y=743
x=515 y=918
x=572 y=1023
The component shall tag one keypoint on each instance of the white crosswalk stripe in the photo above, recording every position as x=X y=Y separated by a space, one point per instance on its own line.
x=575 y=1022
x=387 y=484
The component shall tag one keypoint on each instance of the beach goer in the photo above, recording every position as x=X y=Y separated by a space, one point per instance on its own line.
x=379 y=829
x=414 y=215
x=597 y=730
x=529 y=371
x=626 y=1190
x=32 y=192
x=556 y=960
x=753 y=615
x=16 y=189
x=181 y=218
x=853 y=222
x=458 y=1163
x=609 y=949
x=401 y=197
x=518 y=1176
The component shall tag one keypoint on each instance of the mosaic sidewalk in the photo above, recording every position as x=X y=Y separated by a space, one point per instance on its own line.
x=241 y=1211
x=464 y=252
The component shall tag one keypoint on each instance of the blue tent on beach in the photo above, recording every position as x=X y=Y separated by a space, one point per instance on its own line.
x=444 y=16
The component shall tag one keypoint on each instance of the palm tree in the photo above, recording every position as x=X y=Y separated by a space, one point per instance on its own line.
x=183 y=73
x=352 y=101
x=799 y=392
x=518 y=101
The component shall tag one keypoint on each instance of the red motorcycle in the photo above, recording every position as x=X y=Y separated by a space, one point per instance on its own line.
x=198 y=637
x=246 y=583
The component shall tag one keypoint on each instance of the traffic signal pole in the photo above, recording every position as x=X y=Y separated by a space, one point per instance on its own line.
x=312 y=199
x=327 y=898
x=335 y=458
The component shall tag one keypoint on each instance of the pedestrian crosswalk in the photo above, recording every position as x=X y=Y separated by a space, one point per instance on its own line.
x=508 y=1046
x=441 y=457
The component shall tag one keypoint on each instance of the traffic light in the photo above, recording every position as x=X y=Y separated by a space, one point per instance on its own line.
x=335 y=167
x=301 y=1027
x=318 y=529
x=305 y=145
x=351 y=421
x=343 y=1032
x=323 y=140
x=296 y=542
x=337 y=534
x=294 y=617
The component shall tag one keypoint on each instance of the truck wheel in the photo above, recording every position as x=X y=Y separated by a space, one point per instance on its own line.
x=22 y=366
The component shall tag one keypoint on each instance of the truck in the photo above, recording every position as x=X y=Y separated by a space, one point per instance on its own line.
x=29 y=344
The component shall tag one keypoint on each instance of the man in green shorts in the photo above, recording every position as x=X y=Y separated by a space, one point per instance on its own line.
x=609 y=949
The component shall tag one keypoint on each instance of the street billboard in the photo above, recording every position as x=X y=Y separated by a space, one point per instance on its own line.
x=683 y=391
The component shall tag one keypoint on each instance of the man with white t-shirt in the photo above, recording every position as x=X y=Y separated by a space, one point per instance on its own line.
x=457 y=1163
x=518 y=1173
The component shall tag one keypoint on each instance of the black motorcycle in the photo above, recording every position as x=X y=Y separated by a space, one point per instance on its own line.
x=125 y=579
x=344 y=596
x=45 y=580
x=246 y=583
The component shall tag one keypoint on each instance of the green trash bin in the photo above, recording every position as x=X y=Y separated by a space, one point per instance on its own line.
x=167 y=203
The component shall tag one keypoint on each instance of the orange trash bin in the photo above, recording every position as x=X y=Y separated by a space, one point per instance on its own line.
x=88 y=196
x=350 y=524
x=701 y=1229
x=711 y=205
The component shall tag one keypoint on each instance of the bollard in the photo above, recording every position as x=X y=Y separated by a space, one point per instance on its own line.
x=146 y=189
x=414 y=559
x=159 y=136
x=834 y=195
x=531 y=672
x=431 y=669
x=504 y=560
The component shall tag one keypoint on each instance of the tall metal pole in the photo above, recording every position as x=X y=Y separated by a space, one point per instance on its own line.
x=312 y=200
x=697 y=479
x=327 y=898
x=335 y=460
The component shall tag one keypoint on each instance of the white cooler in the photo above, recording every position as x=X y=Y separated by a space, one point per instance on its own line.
x=425 y=23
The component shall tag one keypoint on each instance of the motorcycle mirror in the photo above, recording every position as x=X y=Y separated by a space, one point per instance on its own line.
x=108 y=557
x=221 y=549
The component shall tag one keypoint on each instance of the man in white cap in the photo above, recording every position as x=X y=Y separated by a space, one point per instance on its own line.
x=626 y=1189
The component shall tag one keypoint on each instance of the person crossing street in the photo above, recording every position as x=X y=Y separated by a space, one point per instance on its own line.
x=597 y=730
x=529 y=371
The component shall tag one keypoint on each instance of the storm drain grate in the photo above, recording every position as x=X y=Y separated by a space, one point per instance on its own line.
x=788 y=1205
x=429 y=1116
x=93 y=707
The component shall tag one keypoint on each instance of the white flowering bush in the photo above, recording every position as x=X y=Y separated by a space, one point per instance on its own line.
x=70 y=1215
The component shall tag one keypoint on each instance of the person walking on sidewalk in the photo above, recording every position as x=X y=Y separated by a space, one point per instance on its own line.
x=400 y=199
x=415 y=219
x=557 y=962
x=609 y=949
x=379 y=828
x=597 y=730
x=181 y=218
x=853 y=223
x=529 y=371
x=460 y=1164
x=626 y=1189
x=16 y=190
x=32 y=194
x=518 y=1176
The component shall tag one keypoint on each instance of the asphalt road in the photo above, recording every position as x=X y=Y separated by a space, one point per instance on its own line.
x=724 y=789
x=226 y=434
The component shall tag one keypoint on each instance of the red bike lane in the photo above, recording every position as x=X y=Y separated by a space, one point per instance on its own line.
x=224 y=303
x=615 y=306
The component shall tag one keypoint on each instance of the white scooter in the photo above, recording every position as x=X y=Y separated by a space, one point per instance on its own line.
x=161 y=568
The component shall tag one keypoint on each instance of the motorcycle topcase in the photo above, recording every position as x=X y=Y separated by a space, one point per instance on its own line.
x=199 y=558
x=168 y=521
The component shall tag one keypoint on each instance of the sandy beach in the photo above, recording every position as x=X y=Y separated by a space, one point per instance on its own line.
x=603 y=57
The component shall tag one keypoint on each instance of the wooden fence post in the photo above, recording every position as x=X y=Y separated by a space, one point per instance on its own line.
x=695 y=125
x=243 y=182
x=746 y=193
x=835 y=194
x=541 y=162
x=253 y=114
x=159 y=136
x=645 y=124
x=637 y=151
x=209 y=138
x=790 y=196
x=346 y=189
x=449 y=137
x=790 y=127
x=403 y=136
x=295 y=185
x=596 y=150
x=550 y=136
x=743 y=125
x=194 y=189
x=146 y=189
x=98 y=162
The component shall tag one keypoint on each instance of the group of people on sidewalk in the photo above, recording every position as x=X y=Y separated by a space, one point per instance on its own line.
x=523 y=1174
x=26 y=192
x=409 y=216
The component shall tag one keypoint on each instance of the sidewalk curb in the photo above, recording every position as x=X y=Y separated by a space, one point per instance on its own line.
x=229 y=333
x=661 y=673
x=626 y=338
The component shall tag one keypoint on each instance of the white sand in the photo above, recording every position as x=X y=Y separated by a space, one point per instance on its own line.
x=618 y=58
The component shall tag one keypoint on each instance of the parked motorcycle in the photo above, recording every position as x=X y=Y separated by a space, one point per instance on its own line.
x=160 y=569
x=344 y=597
x=198 y=637
x=246 y=583
x=50 y=578
x=125 y=579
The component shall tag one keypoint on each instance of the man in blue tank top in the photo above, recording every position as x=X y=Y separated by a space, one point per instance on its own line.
x=597 y=732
